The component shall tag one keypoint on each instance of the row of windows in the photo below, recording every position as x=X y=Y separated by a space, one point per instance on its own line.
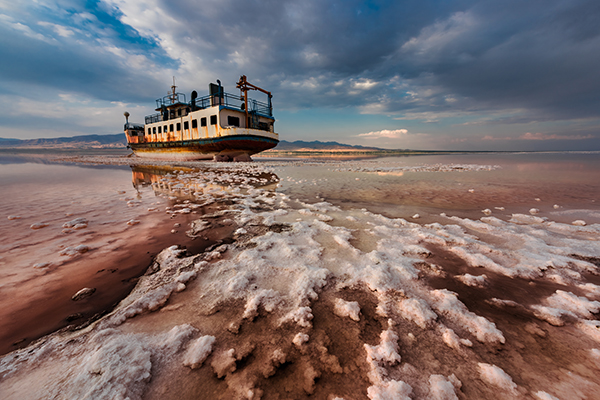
x=160 y=129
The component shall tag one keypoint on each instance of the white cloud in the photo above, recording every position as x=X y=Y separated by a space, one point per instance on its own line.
x=58 y=29
x=442 y=36
x=364 y=84
x=90 y=115
x=24 y=29
x=385 y=133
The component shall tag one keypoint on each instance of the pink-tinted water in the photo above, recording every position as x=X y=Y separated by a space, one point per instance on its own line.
x=44 y=262
x=557 y=184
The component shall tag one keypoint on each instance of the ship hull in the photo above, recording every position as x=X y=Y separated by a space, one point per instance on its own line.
x=225 y=148
x=219 y=126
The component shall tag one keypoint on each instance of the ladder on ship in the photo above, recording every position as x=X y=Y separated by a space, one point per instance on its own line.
x=253 y=119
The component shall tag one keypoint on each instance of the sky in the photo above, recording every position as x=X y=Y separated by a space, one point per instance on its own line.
x=404 y=74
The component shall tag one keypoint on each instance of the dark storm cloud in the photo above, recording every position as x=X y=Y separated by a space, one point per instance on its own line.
x=538 y=57
x=530 y=61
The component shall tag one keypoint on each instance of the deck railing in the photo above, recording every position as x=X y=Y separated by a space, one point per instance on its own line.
x=229 y=100
x=169 y=100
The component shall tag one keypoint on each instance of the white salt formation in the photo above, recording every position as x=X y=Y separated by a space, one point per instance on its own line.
x=83 y=293
x=497 y=377
x=350 y=309
x=315 y=300
x=471 y=280
x=198 y=351
x=73 y=251
x=77 y=223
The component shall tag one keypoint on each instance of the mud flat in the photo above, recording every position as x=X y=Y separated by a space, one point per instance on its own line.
x=325 y=299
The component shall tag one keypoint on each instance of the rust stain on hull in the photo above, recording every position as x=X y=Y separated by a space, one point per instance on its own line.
x=202 y=149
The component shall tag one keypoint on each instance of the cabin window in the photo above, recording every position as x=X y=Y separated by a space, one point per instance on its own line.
x=213 y=119
x=154 y=130
x=178 y=126
x=149 y=131
x=171 y=128
x=160 y=129
x=203 y=121
x=165 y=129
x=233 y=121
x=179 y=113
x=186 y=125
x=194 y=123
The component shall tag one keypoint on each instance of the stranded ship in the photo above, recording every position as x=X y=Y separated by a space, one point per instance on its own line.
x=220 y=126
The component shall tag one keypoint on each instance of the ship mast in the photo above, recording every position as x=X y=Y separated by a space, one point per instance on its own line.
x=244 y=86
x=173 y=94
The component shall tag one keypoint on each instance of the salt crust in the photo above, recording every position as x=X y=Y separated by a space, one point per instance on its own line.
x=390 y=390
x=366 y=166
x=452 y=340
x=75 y=222
x=73 y=251
x=441 y=388
x=289 y=268
x=349 y=309
x=472 y=280
x=385 y=354
x=446 y=302
x=497 y=377
x=532 y=245
x=223 y=363
x=94 y=364
x=544 y=396
x=417 y=311
x=593 y=290
x=565 y=304
x=153 y=291
x=300 y=339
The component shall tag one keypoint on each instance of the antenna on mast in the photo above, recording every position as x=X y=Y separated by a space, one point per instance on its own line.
x=173 y=87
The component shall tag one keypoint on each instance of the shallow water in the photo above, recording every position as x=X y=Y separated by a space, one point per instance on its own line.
x=457 y=276
x=401 y=186
x=124 y=226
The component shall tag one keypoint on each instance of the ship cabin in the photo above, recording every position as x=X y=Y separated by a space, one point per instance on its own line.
x=218 y=114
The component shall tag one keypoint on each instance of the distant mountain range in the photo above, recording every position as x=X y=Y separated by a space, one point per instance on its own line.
x=118 y=141
x=300 y=146
x=86 y=141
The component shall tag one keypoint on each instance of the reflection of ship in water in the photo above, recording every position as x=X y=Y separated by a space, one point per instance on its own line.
x=184 y=183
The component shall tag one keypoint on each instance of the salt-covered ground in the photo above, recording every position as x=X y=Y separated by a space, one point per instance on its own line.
x=326 y=290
